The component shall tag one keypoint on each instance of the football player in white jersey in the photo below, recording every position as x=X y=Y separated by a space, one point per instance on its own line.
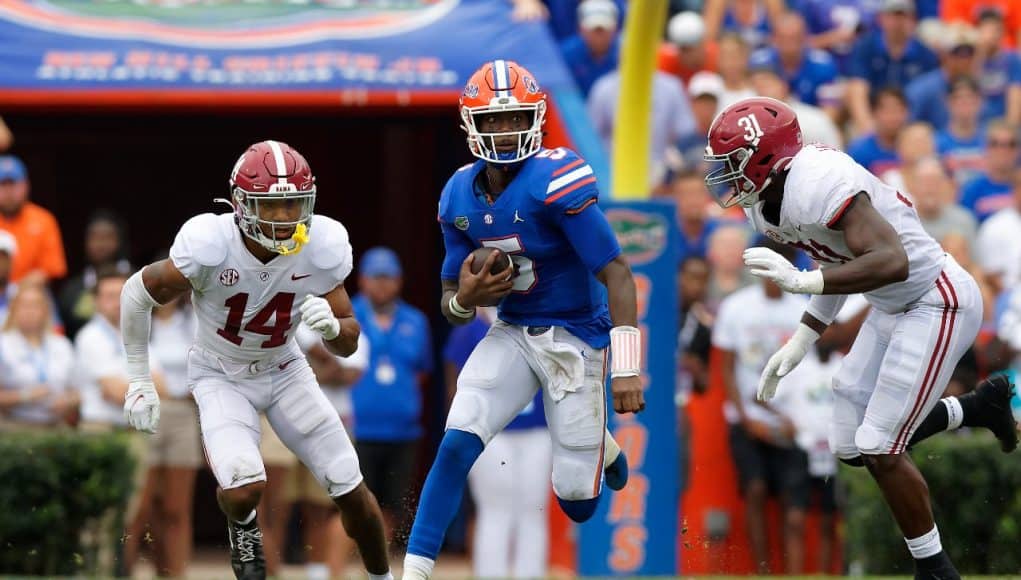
x=926 y=309
x=252 y=273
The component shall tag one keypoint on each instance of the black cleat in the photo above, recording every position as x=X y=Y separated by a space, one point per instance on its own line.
x=991 y=406
x=246 y=556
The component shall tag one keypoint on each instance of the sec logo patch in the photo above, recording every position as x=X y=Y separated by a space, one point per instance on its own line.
x=229 y=277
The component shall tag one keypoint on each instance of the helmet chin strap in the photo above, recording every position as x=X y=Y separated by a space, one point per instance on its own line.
x=299 y=237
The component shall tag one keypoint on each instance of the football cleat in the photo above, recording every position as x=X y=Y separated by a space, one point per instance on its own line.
x=246 y=555
x=992 y=410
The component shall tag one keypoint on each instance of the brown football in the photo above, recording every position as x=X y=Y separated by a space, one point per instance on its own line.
x=479 y=256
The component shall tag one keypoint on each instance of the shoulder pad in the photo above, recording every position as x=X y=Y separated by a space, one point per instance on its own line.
x=330 y=246
x=203 y=236
x=559 y=172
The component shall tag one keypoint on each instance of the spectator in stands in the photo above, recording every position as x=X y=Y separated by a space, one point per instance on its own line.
x=835 y=25
x=328 y=545
x=875 y=151
x=37 y=363
x=529 y=10
x=101 y=375
x=889 y=57
x=962 y=142
x=671 y=119
x=808 y=401
x=750 y=19
x=816 y=126
x=8 y=247
x=933 y=193
x=811 y=74
x=388 y=398
x=704 y=89
x=927 y=93
x=563 y=14
x=593 y=52
x=732 y=65
x=752 y=323
x=1001 y=69
x=510 y=481
x=727 y=273
x=105 y=245
x=990 y=191
x=687 y=51
x=970 y=11
x=998 y=248
x=693 y=200
x=174 y=454
x=694 y=340
x=914 y=143
x=40 y=249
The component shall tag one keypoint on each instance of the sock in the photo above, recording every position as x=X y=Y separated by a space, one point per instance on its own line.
x=318 y=571
x=387 y=576
x=579 y=510
x=925 y=545
x=248 y=520
x=935 y=422
x=417 y=567
x=442 y=492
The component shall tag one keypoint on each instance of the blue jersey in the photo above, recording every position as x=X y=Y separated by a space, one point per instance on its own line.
x=549 y=222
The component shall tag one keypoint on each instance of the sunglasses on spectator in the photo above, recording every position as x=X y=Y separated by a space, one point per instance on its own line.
x=1008 y=143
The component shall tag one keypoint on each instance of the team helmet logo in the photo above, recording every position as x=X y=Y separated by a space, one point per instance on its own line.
x=530 y=84
x=471 y=90
x=229 y=277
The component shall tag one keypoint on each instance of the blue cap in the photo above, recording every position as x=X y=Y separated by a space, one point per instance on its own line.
x=12 y=169
x=380 y=261
x=763 y=61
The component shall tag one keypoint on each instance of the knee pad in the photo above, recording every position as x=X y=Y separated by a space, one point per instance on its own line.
x=240 y=469
x=342 y=475
x=579 y=510
x=842 y=443
x=869 y=441
x=468 y=413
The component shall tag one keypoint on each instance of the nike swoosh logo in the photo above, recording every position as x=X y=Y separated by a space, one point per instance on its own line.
x=297 y=277
x=283 y=365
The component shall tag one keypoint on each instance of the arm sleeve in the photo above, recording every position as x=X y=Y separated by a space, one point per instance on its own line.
x=136 y=318
x=591 y=236
x=824 y=307
x=457 y=247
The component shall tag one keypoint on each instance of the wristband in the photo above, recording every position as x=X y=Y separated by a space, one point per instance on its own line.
x=625 y=351
x=458 y=310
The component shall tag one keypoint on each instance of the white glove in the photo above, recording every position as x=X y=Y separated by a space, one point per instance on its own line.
x=318 y=315
x=766 y=263
x=784 y=360
x=142 y=406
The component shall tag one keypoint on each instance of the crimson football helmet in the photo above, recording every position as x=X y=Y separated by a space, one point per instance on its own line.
x=272 y=171
x=498 y=86
x=749 y=142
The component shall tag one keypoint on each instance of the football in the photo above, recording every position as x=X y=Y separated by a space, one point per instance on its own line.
x=479 y=256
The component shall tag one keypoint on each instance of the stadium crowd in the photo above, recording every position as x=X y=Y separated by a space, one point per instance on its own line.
x=925 y=94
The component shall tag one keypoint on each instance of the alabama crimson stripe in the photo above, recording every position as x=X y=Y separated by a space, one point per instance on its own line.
x=939 y=354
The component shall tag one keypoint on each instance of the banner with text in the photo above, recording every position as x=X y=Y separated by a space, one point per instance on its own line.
x=634 y=532
x=402 y=48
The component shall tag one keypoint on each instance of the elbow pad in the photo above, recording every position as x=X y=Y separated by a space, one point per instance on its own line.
x=136 y=312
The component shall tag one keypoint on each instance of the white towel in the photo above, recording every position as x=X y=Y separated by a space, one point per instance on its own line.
x=561 y=362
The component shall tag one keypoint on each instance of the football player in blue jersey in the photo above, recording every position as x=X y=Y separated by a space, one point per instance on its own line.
x=566 y=303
